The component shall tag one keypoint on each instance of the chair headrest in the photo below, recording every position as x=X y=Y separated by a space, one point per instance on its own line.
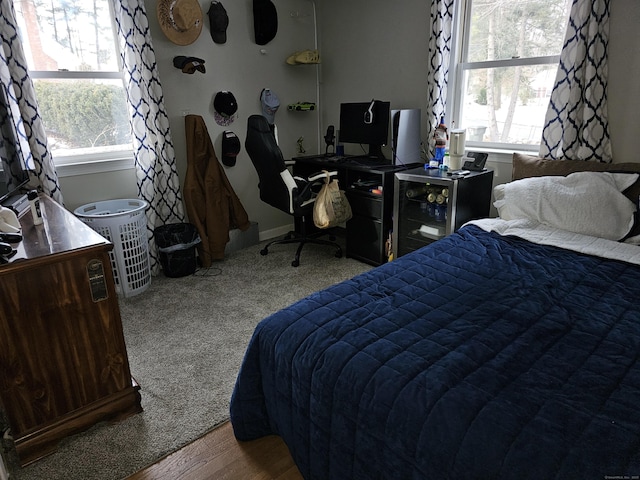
x=259 y=123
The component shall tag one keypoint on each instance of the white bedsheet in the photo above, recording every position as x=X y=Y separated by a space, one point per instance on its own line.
x=545 y=235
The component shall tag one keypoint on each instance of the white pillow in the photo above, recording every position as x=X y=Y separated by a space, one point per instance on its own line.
x=589 y=203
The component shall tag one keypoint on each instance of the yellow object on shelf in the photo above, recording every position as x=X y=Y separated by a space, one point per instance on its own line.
x=304 y=57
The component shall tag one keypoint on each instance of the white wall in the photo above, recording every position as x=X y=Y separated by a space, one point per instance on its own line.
x=369 y=49
x=80 y=190
x=373 y=49
x=240 y=67
x=624 y=84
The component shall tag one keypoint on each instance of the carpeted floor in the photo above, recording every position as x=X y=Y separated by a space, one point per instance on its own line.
x=185 y=339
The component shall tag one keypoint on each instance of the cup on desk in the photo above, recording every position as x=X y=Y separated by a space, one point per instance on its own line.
x=340 y=150
x=456 y=148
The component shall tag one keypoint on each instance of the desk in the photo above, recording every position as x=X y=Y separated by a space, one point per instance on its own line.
x=370 y=194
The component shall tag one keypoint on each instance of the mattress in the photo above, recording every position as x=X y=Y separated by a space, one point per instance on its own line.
x=479 y=356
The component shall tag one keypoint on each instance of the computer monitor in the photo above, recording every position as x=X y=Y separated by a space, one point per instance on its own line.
x=366 y=123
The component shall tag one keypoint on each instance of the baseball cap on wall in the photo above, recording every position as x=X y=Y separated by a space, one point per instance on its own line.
x=225 y=106
x=230 y=148
x=265 y=21
x=180 y=20
x=219 y=21
x=270 y=104
x=189 y=64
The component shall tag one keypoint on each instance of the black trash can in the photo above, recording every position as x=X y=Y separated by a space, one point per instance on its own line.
x=177 y=247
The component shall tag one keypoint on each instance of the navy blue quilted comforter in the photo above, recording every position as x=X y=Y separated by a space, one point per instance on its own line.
x=476 y=357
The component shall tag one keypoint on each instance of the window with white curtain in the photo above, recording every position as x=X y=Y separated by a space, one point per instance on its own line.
x=506 y=57
x=73 y=60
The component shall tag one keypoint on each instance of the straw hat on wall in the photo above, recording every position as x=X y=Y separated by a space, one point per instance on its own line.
x=180 y=20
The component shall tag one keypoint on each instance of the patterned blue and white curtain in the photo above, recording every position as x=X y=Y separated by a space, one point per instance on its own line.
x=441 y=18
x=22 y=108
x=576 y=124
x=154 y=155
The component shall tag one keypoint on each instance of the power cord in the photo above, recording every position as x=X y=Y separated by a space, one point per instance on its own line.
x=207 y=272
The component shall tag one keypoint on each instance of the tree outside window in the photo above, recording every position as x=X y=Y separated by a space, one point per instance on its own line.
x=72 y=57
x=508 y=59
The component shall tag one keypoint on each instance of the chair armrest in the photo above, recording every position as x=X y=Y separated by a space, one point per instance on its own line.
x=319 y=175
x=302 y=194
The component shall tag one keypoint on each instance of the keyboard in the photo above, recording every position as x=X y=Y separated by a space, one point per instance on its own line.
x=336 y=158
x=369 y=162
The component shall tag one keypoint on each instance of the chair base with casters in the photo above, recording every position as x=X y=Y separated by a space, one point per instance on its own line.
x=303 y=238
x=278 y=188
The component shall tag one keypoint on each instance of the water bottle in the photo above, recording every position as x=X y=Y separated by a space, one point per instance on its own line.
x=441 y=136
x=36 y=209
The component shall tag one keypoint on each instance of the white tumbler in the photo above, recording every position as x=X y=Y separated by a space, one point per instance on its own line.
x=456 y=147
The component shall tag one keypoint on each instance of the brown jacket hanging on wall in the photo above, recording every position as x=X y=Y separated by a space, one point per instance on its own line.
x=212 y=205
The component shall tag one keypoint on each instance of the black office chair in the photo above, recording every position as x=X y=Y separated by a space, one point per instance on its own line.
x=278 y=188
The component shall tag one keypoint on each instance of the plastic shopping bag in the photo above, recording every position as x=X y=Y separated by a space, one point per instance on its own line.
x=331 y=206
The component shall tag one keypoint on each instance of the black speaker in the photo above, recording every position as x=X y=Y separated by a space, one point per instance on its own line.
x=405 y=136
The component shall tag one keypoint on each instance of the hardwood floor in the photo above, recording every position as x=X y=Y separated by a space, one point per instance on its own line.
x=218 y=455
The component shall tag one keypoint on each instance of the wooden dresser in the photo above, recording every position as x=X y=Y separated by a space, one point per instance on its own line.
x=63 y=360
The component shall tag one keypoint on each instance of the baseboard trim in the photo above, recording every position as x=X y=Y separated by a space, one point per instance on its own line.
x=275 y=232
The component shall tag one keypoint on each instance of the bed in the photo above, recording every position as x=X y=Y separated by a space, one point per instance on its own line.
x=509 y=349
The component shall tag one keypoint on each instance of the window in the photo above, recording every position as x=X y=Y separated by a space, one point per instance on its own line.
x=73 y=60
x=508 y=56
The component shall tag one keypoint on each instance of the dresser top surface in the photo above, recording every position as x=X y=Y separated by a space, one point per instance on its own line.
x=60 y=232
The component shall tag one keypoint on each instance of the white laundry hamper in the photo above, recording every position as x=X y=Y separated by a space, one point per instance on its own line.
x=124 y=224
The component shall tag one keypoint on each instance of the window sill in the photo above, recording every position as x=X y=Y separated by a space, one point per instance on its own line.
x=70 y=169
x=500 y=155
